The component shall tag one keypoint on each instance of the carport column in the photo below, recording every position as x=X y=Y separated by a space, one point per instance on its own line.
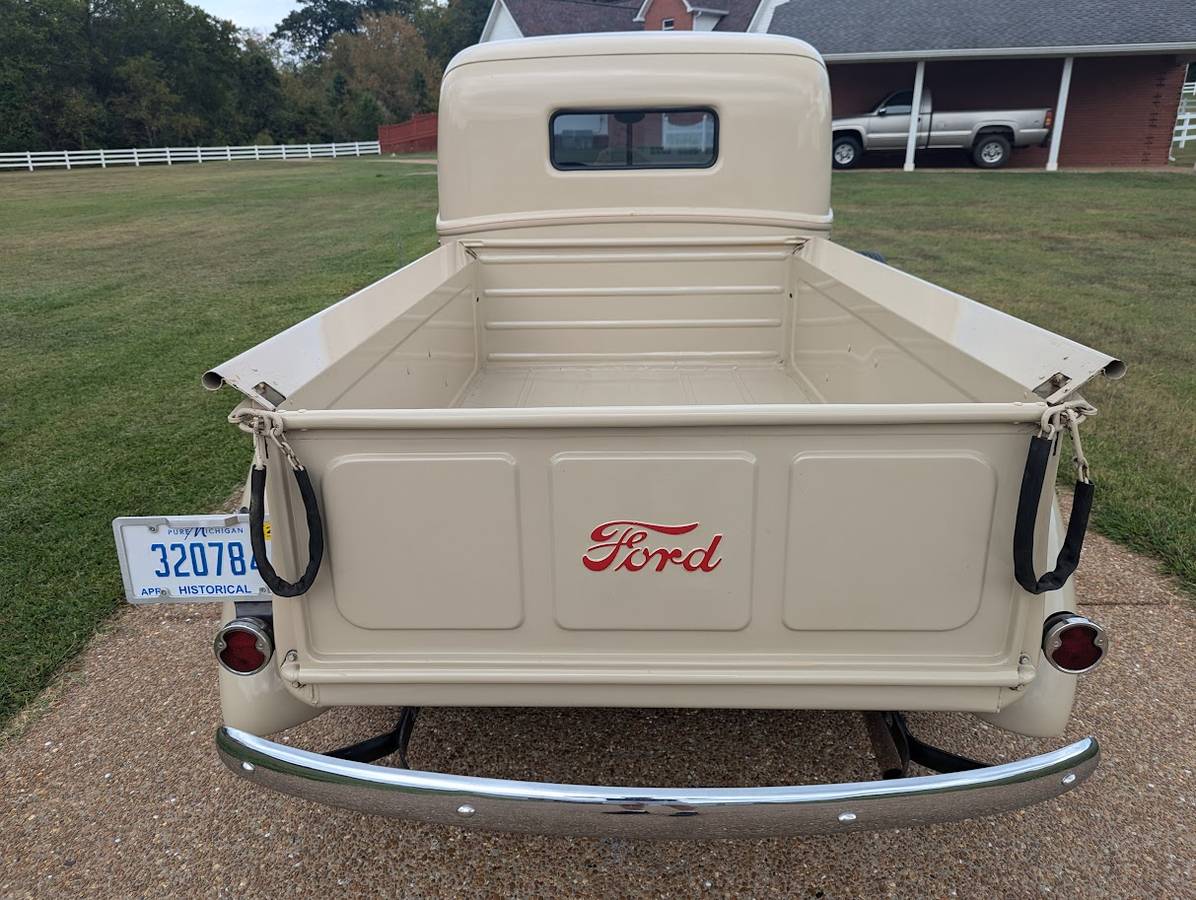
x=1060 y=111
x=915 y=113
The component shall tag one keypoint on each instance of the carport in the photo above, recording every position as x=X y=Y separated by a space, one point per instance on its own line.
x=1112 y=75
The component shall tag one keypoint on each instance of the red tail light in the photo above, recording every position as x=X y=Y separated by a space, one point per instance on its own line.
x=1073 y=644
x=244 y=646
x=1049 y=119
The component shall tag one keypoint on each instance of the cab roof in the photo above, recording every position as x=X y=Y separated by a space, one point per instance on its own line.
x=769 y=97
x=623 y=43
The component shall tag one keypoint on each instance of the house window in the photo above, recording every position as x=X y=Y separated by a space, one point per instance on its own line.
x=666 y=25
x=633 y=139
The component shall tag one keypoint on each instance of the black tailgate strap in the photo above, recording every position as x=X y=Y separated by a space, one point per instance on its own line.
x=1024 y=538
x=268 y=425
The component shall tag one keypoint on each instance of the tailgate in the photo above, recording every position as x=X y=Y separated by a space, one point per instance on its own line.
x=854 y=559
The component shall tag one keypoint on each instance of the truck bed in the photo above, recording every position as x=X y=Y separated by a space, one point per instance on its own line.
x=769 y=320
x=819 y=453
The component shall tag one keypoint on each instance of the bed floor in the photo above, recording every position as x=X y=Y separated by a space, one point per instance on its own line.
x=536 y=386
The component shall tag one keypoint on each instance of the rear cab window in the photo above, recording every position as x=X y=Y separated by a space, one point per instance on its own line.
x=633 y=139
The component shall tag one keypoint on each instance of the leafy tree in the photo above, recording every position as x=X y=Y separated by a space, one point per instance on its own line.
x=147 y=106
x=388 y=60
x=192 y=55
x=42 y=55
x=309 y=30
x=112 y=73
x=259 y=87
x=450 y=28
x=305 y=114
x=80 y=118
x=365 y=116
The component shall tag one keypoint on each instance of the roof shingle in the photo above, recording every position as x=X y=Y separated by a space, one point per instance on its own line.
x=739 y=14
x=543 y=17
x=883 y=26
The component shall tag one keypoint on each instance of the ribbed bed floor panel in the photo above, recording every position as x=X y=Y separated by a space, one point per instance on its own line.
x=538 y=386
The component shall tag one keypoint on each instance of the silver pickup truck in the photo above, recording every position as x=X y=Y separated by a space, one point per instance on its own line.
x=638 y=433
x=990 y=135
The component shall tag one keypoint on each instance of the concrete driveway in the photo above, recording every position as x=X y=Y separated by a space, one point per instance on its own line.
x=114 y=789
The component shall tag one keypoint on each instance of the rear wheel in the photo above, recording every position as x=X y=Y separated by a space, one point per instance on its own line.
x=991 y=151
x=845 y=151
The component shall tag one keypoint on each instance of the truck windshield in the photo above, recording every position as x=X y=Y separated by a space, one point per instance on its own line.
x=634 y=139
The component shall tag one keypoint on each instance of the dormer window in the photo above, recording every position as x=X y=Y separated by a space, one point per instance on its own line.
x=666 y=25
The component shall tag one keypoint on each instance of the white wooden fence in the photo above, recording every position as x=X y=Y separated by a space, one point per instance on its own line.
x=135 y=156
x=1185 y=122
x=1187 y=99
x=1185 y=130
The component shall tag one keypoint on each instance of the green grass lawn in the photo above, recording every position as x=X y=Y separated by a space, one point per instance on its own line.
x=1185 y=157
x=119 y=288
x=1106 y=259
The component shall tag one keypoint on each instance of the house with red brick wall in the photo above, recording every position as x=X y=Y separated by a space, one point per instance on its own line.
x=510 y=19
x=1111 y=70
x=702 y=15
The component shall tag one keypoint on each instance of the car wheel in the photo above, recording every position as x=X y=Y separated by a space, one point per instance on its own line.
x=991 y=151
x=845 y=152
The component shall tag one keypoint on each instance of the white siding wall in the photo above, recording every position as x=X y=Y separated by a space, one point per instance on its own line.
x=501 y=25
x=763 y=16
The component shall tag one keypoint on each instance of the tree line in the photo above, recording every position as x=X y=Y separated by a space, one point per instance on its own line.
x=82 y=74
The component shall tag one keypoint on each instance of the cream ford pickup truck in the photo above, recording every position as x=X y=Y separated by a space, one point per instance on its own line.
x=640 y=434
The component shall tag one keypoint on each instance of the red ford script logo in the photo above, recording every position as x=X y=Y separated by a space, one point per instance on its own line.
x=617 y=546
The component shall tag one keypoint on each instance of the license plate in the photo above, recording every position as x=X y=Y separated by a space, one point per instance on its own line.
x=187 y=559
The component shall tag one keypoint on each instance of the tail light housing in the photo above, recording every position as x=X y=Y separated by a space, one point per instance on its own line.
x=1073 y=644
x=244 y=646
x=1049 y=119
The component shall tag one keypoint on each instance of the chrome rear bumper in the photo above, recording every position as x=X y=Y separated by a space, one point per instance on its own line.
x=661 y=813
